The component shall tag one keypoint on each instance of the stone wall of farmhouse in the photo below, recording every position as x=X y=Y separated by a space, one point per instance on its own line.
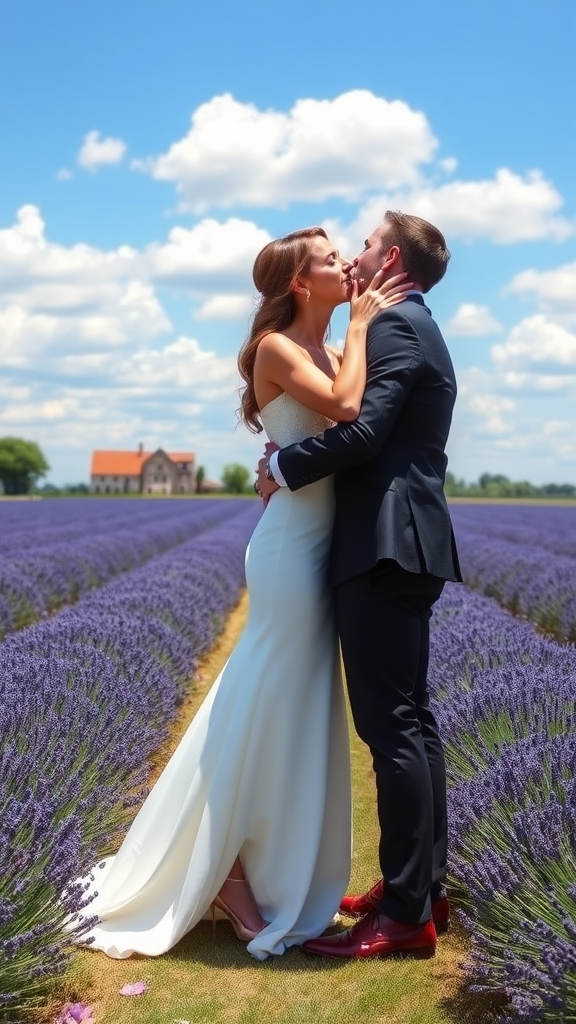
x=162 y=476
x=115 y=484
x=159 y=475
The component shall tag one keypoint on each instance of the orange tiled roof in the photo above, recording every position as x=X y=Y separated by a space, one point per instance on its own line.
x=122 y=463
x=181 y=456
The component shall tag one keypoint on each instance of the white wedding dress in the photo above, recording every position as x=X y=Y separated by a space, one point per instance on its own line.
x=263 y=770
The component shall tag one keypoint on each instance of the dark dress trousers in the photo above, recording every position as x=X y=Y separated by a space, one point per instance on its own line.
x=393 y=548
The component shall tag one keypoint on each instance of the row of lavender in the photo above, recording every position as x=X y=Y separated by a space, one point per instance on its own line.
x=28 y=525
x=53 y=552
x=85 y=699
x=506 y=699
x=525 y=557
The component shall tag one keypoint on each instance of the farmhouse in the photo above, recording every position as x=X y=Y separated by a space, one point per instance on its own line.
x=140 y=472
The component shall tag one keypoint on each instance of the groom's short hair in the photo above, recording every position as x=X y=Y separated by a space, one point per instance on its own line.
x=423 y=248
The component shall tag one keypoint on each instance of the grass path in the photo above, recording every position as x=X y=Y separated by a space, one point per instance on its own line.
x=210 y=979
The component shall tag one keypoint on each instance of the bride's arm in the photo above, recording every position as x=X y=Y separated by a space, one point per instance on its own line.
x=282 y=362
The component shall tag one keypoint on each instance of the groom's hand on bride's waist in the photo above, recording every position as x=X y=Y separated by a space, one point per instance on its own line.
x=266 y=484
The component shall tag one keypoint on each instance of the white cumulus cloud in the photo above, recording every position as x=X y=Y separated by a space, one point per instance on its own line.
x=562 y=437
x=554 y=291
x=226 y=307
x=449 y=164
x=212 y=255
x=537 y=343
x=505 y=209
x=28 y=258
x=235 y=153
x=472 y=321
x=58 y=298
x=530 y=383
x=184 y=365
x=491 y=410
x=97 y=152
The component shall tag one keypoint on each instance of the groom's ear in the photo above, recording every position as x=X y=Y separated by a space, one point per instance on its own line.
x=390 y=257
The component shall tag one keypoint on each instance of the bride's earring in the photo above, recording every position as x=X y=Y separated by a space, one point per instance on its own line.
x=307 y=295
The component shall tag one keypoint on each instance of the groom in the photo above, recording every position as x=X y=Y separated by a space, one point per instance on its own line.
x=393 y=549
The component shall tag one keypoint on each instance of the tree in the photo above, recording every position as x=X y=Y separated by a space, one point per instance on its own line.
x=49 y=490
x=81 y=488
x=200 y=478
x=490 y=485
x=22 y=463
x=235 y=478
x=453 y=487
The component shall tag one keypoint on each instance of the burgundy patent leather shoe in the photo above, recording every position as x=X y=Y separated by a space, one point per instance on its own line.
x=441 y=914
x=376 y=935
x=357 y=906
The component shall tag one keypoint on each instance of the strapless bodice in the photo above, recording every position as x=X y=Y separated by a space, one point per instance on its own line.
x=286 y=421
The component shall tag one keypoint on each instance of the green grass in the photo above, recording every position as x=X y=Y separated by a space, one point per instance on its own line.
x=211 y=978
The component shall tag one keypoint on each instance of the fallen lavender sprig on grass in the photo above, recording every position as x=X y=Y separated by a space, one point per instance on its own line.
x=135 y=988
x=75 y=1013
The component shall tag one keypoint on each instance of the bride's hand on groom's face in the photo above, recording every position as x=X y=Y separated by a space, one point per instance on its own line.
x=377 y=296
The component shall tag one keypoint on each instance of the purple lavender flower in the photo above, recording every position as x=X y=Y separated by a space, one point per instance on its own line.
x=85 y=699
x=54 y=552
x=505 y=701
x=525 y=557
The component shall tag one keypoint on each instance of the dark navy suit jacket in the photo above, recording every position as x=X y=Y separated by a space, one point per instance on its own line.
x=390 y=463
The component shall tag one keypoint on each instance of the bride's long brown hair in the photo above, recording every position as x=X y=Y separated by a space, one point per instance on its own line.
x=274 y=271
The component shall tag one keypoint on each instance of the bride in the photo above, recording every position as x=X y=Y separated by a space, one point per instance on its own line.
x=250 y=820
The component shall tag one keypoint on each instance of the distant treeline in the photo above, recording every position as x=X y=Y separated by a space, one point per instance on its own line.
x=498 y=486
x=487 y=486
x=50 y=490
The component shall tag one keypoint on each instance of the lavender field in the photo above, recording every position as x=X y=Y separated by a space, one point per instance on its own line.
x=525 y=557
x=86 y=697
x=106 y=611
x=53 y=552
x=506 y=700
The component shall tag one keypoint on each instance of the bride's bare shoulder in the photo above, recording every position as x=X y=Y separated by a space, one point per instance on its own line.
x=275 y=339
x=277 y=345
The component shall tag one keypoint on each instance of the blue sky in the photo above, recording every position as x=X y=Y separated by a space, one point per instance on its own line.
x=150 y=148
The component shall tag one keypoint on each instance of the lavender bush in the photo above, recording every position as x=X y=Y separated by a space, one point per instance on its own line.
x=552 y=527
x=525 y=557
x=53 y=552
x=505 y=699
x=85 y=699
